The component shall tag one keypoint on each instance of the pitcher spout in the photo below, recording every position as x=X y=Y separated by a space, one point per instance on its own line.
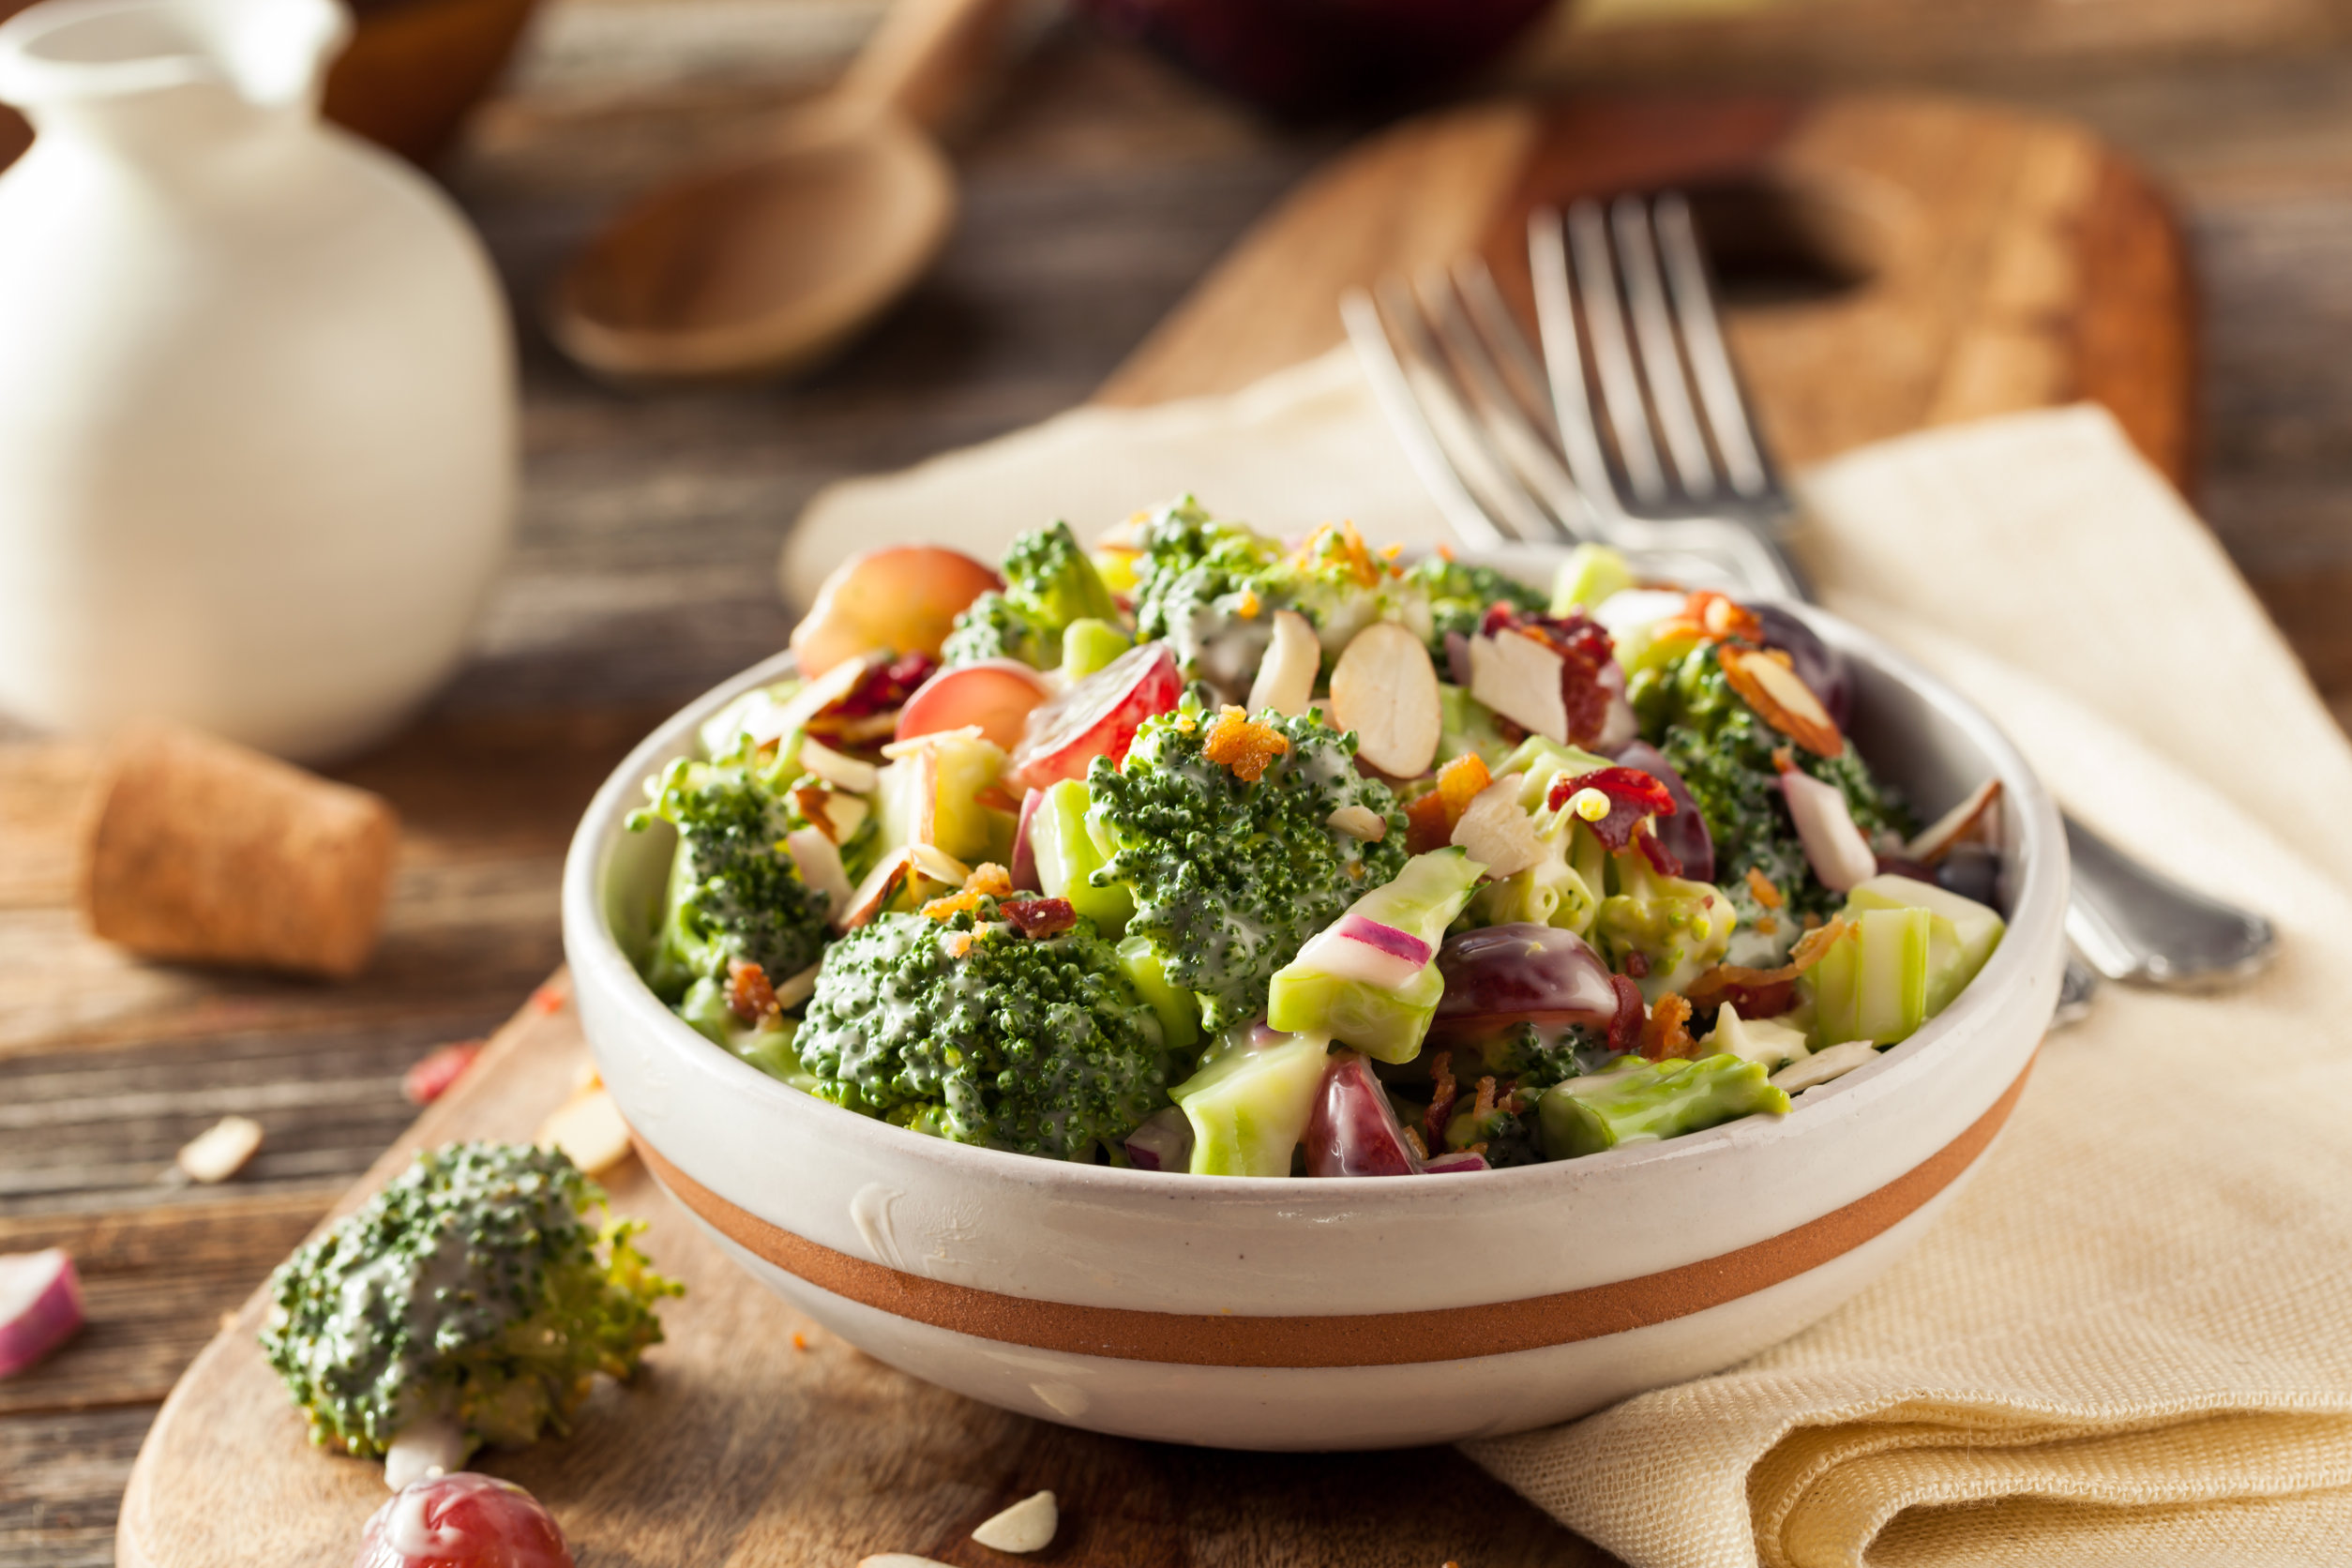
x=93 y=60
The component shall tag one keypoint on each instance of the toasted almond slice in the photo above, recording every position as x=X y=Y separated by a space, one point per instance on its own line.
x=1781 y=697
x=1359 y=822
x=936 y=864
x=1385 y=689
x=1823 y=1065
x=588 y=1127
x=1286 y=677
x=1497 y=831
x=1961 y=822
x=915 y=746
x=221 y=1150
x=867 y=900
x=1519 y=678
x=1028 y=1526
x=820 y=865
x=842 y=772
x=847 y=813
x=798 y=988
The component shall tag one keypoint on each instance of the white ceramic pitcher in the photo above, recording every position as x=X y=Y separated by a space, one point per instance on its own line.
x=257 y=430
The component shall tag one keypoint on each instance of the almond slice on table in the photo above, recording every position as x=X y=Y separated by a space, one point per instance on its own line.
x=588 y=1128
x=1385 y=689
x=1286 y=676
x=1028 y=1526
x=1781 y=698
x=1935 y=840
x=221 y=1150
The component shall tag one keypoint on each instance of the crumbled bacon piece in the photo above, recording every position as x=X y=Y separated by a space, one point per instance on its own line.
x=1041 y=918
x=749 y=996
x=1430 y=819
x=1637 y=964
x=1236 y=741
x=1459 y=781
x=1484 y=1106
x=1587 y=686
x=431 y=1076
x=869 y=710
x=1426 y=825
x=1445 y=1093
x=1632 y=793
x=1764 y=993
x=1762 y=886
x=810 y=802
x=1626 y=1027
x=1665 y=1034
x=1653 y=850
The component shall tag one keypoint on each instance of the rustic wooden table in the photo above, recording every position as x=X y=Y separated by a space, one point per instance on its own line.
x=1096 y=191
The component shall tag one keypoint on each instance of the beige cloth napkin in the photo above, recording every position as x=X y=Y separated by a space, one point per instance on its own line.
x=2130 y=1339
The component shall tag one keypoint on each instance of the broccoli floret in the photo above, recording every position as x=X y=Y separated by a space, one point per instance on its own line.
x=734 y=893
x=1459 y=595
x=1723 y=752
x=1231 y=875
x=470 y=1289
x=1049 y=583
x=967 y=1028
x=1208 y=590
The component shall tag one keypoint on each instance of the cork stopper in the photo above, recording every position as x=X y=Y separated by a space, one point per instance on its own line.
x=199 y=850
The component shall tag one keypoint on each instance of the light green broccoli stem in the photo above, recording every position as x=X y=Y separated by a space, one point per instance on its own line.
x=1643 y=1102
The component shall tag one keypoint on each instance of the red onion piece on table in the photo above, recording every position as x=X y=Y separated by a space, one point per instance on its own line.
x=1522 y=972
x=1355 y=1130
x=40 y=1306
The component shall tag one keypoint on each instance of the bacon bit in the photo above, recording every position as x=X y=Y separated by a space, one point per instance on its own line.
x=1721 y=617
x=800 y=1340
x=1631 y=1016
x=1784 y=759
x=1665 y=1035
x=548 y=999
x=1584 y=650
x=1766 y=892
x=1236 y=741
x=749 y=995
x=1484 y=1106
x=1781 y=698
x=1420 y=1149
x=1764 y=993
x=431 y=1076
x=1249 y=606
x=1664 y=861
x=1041 y=918
x=810 y=802
x=1428 y=824
x=871 y=708
x=1442 y=1102
x=1632 y=795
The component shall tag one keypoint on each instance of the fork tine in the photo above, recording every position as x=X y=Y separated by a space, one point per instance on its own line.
x=1653 y=330
x=1394 y=391
x=1499 y=329
x=1500 y=410
x=1563 y=363
x=1612 y=359
x=1711 y=361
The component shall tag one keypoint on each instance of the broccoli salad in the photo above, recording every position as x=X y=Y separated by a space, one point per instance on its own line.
x=1205 y=852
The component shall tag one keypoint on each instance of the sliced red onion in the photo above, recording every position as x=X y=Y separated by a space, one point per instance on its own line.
x=40 y=1306
x=1355 y=1130
x=1024 y=869
x=1834 y=847
x=1502 y=975
x=1387 y=938
x=1351 y=958
x=1163 y=1142
x=1683 y=834
x=1454 y=1163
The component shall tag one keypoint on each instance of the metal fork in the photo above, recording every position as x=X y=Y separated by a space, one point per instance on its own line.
x=1450 y=369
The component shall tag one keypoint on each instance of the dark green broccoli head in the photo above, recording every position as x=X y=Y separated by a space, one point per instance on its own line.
x=1723 y=752
x=1460 y=594
x=1049 y=583
x=470 y=1288
x=1232 y=876
x=735 y=894
x=968 y=1029
x=1208 y=590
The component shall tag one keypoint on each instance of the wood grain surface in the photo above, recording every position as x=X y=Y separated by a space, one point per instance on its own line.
x=1101 y=189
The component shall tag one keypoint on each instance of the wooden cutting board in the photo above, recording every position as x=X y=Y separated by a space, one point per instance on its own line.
x=1895 y=262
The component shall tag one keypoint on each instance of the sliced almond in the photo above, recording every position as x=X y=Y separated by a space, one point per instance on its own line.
x=588 y=1127
x=1359 y=822
x=1961 y=822
x=810 y=700
x=1286 y=677
x=819 y=865
x=1028 y=1526
x=221 y=1150
x=1497 y=831
x=842 y=772
x=798 y=988
x=867 y=900
x=1780 y=696
x=1385 y=689
x=937 y=865
x=1518 y=677
x=847 y=813
x=1823 y=1065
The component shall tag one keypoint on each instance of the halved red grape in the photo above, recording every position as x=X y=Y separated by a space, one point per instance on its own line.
x=1355 y=1130
x=1523 y=971
x=462 y=1520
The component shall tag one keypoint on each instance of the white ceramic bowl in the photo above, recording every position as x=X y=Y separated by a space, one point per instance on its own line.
x=1363 y=1313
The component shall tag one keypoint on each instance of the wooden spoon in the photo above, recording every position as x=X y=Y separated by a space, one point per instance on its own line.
x=767 y=264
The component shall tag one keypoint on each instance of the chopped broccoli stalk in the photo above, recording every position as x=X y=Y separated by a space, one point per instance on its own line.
x=1249 y=1106
x=1088 y=645
x=1067 y=858
x=1466 y=725
x=734 y=892
x=1872 y=983
x=1590 y=574
x=473 y=1289
x=1340 y=987
x=1178 y=1013
x=1643 y=1102
x=1460 y=594
x=1050 y=582
x=966 y=1028
x=1963 y=931
x=1680 y=929
x=1230 y=875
